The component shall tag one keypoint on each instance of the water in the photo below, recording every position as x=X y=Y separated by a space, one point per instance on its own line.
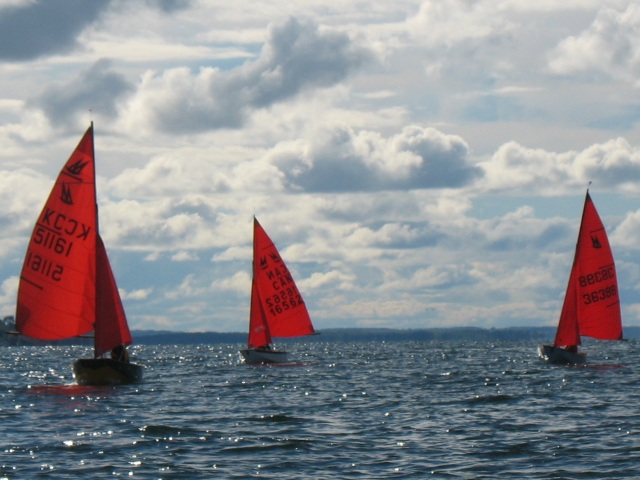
x=347 y=410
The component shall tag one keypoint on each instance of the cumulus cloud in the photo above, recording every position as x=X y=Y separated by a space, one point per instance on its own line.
x=8 y=293
x=394 y=235
x=627 y=232
x=448 y=22
x=21 y=197
x=140 y=294
x=34 y=29
x=176 y=173
x=239 y=282
x=381 y=219
x=170 y=6
x=98 y=89
x=609 y=46
x=329 y=280
x=169 y=225
x=184 y=256
x=614 y=164
x=514 y=166
x=335 y=159
x=341 y=159
x=298 y=56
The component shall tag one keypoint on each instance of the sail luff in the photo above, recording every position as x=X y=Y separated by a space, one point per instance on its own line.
x=568 y=333
x=259 y=335
x=95 y=250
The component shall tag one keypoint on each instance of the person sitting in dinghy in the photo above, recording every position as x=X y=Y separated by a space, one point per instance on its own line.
x=572 y=349
x=120 y=354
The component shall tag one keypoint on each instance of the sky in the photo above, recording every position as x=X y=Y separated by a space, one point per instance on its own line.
x=419 y=164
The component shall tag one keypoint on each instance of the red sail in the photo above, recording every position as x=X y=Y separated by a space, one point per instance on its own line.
x=280 y=302
x=592 y=304
x=259 y=335
x=568 y=333
x=111 y=327
x=56 y=295
x=67 y=287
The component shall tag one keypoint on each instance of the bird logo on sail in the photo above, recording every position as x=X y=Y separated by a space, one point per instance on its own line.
x=65 y=195
x=76 y=168
x=275 y=257
x=595 y=242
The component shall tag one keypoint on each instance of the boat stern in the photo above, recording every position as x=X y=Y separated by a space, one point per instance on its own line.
x=256 y=357
x=104 y=371
x=560 y=356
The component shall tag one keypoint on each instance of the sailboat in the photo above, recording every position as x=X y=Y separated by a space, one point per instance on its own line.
x=67 y=288
x=591 y=304
x=277 y=308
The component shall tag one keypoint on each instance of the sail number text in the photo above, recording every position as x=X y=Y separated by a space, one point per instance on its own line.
x=283 y=301
x=54 y=232
x=601 y=275
x=60 y=223
x=604 y=274
x=44 y=267
x=599 y=295
x=286 y=295
x=52 y=241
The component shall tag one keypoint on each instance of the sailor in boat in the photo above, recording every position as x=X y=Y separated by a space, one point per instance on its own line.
x=120 y=354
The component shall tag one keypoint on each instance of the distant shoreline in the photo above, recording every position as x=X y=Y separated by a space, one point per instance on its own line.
x=535 y=334
x=164 y=337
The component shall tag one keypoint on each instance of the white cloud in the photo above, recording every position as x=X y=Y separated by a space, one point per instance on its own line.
x=340 y=159
x=609 y=46
x=297 y=57
x=447 y=22
x=240 y=283
x=140 y=294
x=184 y=256
x=614 y=164
x=514 y=167
x=627 y=231
x=57 y=26
x=418 y=163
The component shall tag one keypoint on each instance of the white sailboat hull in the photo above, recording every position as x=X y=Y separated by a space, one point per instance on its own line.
x=560 y=356
x=256 y=357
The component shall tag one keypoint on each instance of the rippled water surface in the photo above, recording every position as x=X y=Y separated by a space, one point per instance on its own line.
x=346 y=410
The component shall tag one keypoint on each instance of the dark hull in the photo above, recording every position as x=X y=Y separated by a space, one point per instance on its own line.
x=560 y=356
x=256 y=357
x=104 y=371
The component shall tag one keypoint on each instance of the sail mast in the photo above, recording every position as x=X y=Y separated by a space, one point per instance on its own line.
x=95 y=250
